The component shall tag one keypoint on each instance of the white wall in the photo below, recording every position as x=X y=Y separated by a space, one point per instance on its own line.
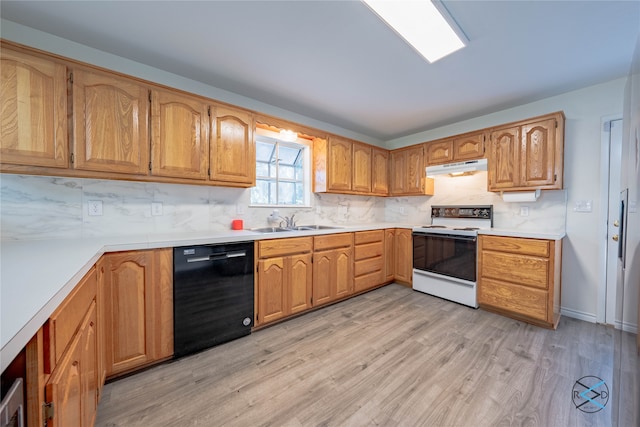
x=584 y=110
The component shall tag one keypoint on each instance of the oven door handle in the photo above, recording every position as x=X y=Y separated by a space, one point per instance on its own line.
x=448 y=236
x=444 y=277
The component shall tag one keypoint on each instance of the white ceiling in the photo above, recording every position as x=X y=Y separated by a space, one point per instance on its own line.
x=335 y=61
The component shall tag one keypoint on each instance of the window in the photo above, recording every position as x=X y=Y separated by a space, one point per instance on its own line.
x=282 y=173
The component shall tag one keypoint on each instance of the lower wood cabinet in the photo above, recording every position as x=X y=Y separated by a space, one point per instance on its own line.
x=403 y=256
x=520 y=278
x=389 y=254
x=70 y=355
x=332 y=267
x=284 y=278
x=136 y=308
x=368 y=259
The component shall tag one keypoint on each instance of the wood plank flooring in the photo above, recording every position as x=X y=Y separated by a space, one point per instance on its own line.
x=391 y=357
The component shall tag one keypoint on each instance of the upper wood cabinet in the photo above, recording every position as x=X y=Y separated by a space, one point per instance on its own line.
x=527 y=155
x=361 y=169
x=459 y=148
x=33 y=127
x=380 y=171
x=233 y=150
x=408 y=176
x=350 y=167
x=179 y=135
x=138 y=308
x=110 y=123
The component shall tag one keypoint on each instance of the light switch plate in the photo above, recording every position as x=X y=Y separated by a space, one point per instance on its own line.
x=156 y=208
x=583 y=206
x=94 y=207
x=524 y=211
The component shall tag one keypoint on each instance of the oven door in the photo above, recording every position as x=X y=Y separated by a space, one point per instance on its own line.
x=445 y=254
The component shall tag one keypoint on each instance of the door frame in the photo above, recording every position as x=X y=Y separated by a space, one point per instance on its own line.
x=602 y=314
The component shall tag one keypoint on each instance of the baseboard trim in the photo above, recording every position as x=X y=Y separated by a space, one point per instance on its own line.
x=627 y=327
x=580 y=315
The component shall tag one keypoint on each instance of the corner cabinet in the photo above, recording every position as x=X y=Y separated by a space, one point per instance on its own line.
x=520 y=278
x=137 y=307
x=33 y=129
x=110 y=123
x=408 y=175
x=284 y=278
x=233 y=152
x=527 y=155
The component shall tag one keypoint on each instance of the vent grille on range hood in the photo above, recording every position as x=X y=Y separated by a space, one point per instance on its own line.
x=459 y=167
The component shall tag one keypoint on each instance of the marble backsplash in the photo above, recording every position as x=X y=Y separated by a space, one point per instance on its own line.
x=35 y=207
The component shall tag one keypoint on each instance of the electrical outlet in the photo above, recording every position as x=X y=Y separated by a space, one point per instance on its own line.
x=156 y=208
x=524 y=210
x=583 y=206
x=94 y=207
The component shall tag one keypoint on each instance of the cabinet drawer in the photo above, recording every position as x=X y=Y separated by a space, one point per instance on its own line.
x=368 y=266
x=368 y=236
x=368 y=281
x=66 y=320
x=281 y=247
x=369 y=250
x=331 y=241
x=516 y=245
x=520 y=269
x=520 y=300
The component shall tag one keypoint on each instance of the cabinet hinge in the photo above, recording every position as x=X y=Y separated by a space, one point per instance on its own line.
x=149 y=96
x=149 y=166
x=209 y=111
x=48 y=410
x=71 y=78
x=73 y=158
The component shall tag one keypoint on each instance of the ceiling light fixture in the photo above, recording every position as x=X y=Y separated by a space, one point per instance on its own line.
x=424 y=24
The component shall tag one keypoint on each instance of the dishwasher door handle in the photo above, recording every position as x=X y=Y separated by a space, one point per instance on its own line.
x=218 y=257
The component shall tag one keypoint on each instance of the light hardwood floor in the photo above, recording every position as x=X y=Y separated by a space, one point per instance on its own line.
x=390 y=357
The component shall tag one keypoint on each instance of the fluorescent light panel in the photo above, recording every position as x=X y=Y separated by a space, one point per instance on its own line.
x=421 y=24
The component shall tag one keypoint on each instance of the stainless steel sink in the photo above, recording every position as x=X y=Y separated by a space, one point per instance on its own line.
x=270 y=229
x=316 y=227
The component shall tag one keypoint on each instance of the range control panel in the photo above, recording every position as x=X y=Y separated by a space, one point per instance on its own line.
x=483 y=212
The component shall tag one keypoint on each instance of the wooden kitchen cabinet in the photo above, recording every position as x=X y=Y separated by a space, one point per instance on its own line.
x=70 y=354
x=110 y=123
x=459 y=148
x=332 y=267
x=368 y=259
x=233 y=152
x=179 y=135
x=137 y=304
x=380 y=171
x=339 y=165
x=284 y=279
x=389 y=254
x=520 y=278
x=361 y=177
x=403 y=256
x=527 y=155
x=33 y=130
x=408 y=175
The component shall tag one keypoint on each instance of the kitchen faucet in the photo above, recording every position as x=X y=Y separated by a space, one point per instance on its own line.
x=289 y=222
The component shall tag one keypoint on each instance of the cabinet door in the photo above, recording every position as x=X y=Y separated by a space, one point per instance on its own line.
x=340 y=164
x=179 y=136
x=468 y=147
x=398 y=161
x=110 y=122
x=403 y=256
x=389 y=254
x=361 y=170
x=323 y=272
x=344 y=273
x=232 y=157
x=438 y=152
x=89 y=365
x=299 y=283
x=138 y=308
x=503 y=160
x=380 y=172
x=537 y=161
x=33 y=126
x=415 y=172
x=271 y=290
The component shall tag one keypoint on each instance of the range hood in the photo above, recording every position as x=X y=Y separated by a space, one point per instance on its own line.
x=457 y=168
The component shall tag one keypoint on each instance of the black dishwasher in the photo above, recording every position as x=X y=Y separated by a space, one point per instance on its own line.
x=212 y=295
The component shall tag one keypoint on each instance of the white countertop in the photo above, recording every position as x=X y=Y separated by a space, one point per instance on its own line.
x=37 y=275
x=523 y=233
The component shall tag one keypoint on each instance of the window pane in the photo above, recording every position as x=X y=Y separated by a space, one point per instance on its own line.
x=260 y=193
x=265 y=151
x=286 y=193
x=299 y=173
x=288 y=155
x=262 y=169
x=272 y=193
x=286 y=172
